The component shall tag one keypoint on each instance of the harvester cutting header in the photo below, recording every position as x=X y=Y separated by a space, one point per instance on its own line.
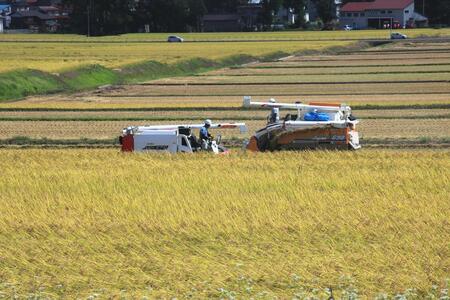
x=314 y=126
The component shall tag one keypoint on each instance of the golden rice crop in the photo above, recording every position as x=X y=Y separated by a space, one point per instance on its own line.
x=79 y=223
x=226 y=36
x=55 y=57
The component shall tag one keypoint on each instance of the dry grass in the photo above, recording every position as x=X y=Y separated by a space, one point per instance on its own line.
x=397 y=128
x=124 y=102
x=313 y=71
x=280 y=89
x=215 y=114
x=367 y=56
x=325 y=78
x=86 y=222
x=319 y=63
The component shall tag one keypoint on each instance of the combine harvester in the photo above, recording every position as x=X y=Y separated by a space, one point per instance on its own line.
x=315 y=126
x=173 y=138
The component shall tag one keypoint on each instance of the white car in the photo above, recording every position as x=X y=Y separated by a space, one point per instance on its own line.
x=398 y=36
x=175 y=39
x=348 y=28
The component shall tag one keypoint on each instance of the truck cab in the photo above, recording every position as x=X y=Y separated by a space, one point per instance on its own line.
x=171 y=138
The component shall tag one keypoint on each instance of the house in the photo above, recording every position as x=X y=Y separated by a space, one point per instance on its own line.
x=38 y=18
x=380 y=14
x=221 y=22
x=5 y=19
x=246 y=17
x=249 y=15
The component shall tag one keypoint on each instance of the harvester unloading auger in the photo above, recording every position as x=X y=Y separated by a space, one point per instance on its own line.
x=315 y=126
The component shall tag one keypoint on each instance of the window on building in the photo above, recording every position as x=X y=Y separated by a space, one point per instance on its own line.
x=355 y=14
x=362 y=14
x=389 y=11
x=383 y=12
x=406 y=11
x=349 y=15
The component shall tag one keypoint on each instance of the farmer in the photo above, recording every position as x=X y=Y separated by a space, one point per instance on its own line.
x=275 y=113
x=204 y=131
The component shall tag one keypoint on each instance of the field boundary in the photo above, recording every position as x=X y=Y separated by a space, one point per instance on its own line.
x=28 y=142
x=292 y=83
x=211 y=108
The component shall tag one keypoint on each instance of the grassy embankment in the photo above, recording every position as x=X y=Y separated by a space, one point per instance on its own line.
x=69 y=66
x=75 y=62
x=76 y=223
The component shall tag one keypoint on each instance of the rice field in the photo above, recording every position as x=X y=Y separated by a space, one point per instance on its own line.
x=97 y=224
x=230 y=36
x=378 y=128
x=80 y=223
x=59 y=57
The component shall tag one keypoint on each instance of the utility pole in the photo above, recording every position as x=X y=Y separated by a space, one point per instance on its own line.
x=89 y=18
x=423 y=8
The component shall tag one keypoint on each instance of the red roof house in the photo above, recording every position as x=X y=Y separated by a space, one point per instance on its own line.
x=379 y=14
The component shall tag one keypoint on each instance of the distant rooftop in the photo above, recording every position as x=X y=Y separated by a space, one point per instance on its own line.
x=377 y=4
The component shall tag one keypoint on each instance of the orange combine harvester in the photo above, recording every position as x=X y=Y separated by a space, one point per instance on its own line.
x=314 y=126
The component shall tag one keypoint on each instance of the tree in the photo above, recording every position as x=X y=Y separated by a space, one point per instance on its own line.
x=325 y=10
x=101 y=17
x=299 y=9
x=437 y=11
x=269 y=8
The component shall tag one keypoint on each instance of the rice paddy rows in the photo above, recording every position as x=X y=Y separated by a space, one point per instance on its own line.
x=397 y=128
x=216 y=114
x=333 y=64
x=317 y=71
x=367 y=56
x=302 y=79
x=281 y=89
x=184 y=103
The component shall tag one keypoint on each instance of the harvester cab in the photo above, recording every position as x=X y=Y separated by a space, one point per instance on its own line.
x=314 y=126
x=173 y=138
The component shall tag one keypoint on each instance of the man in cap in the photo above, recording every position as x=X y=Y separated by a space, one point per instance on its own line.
x=205 y=136
x=275 y=114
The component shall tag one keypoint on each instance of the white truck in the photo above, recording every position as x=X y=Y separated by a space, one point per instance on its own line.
x=173 y=138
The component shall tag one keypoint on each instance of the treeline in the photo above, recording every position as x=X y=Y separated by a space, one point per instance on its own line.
x=121 y=16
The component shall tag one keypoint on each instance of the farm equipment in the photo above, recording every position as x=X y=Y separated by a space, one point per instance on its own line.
x=315 y=126
x=173 y=138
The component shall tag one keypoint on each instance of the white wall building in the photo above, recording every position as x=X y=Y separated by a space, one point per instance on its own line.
x=379 y=14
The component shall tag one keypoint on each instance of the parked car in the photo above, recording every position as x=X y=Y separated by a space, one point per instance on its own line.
x=175 y=39
x=398 y=36
x=348 y=27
